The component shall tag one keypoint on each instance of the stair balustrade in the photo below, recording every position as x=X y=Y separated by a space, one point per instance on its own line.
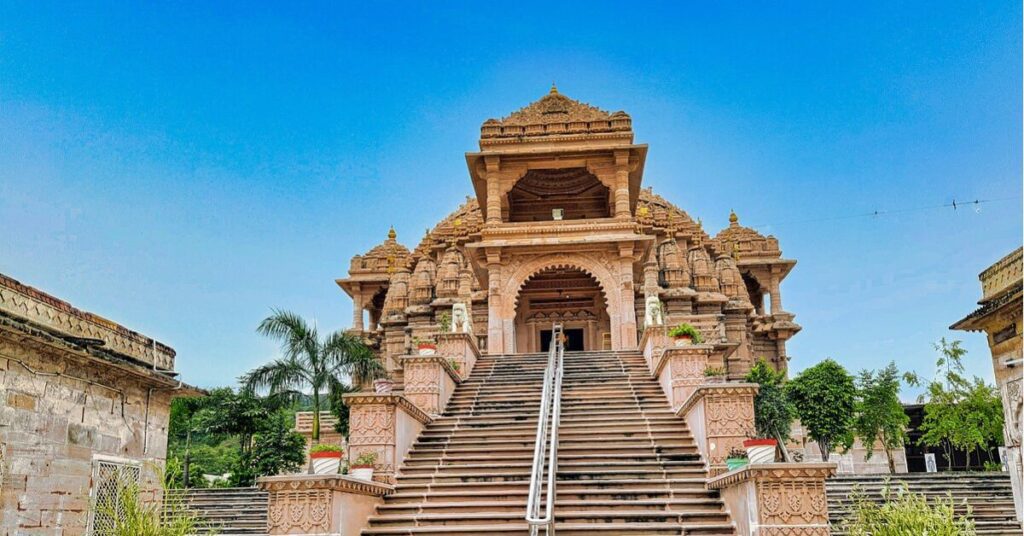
x=547 y=429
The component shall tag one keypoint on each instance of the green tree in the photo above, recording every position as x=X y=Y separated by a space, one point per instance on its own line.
x=773 y=411
x=311 y=362
x=880 y=417
x=960 y=413
x=824 y=397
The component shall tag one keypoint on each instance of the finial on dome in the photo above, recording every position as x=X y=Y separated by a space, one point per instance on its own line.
x=733 y=218
x=392 y=234
x=554 y=89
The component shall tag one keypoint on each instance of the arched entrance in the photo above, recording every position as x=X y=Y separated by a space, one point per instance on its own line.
x=565 y=295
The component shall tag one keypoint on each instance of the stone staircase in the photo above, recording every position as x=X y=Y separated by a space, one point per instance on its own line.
x=988 y=494
x=225 y=510
x=626 y=464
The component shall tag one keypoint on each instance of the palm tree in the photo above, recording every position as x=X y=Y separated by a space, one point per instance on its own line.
x=311 y=363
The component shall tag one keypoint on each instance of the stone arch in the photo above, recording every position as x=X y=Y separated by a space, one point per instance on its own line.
x=519 y=275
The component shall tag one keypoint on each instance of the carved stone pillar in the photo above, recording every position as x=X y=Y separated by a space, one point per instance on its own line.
x=495 y=306
x=622 y=184
x=627 y=314
x=773 y=499
x=775 y=294
x=460 y=348
x=357 y=311
x=429 y=382
x=326 y=505
x=493 y=212
x=386 y=425
x=720 y=417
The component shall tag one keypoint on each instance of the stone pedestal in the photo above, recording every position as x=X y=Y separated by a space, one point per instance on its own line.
x=385 y=424
x=720 y=417
x=777 y=499
x=461 y=348
x=429 y=381
x=325 y=505
x=680 y=370
x=653 y=342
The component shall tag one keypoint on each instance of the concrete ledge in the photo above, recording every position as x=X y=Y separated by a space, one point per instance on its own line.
x=773 y=499
x=326 y=505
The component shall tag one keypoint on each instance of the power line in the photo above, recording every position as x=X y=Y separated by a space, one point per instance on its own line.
x=955 y=205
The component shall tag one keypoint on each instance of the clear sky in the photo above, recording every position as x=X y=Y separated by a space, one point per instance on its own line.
x=184 y=168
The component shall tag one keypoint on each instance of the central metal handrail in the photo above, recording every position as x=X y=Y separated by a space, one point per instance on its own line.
x=550 y=410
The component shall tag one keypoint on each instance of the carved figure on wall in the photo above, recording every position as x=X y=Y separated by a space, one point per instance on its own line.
x=460 y=319
x=654 y=315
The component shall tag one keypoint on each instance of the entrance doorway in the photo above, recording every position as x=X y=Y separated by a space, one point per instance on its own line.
x=573 y=340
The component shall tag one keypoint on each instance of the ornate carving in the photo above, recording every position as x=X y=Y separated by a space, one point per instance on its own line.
x=371 y=424
x=308 y=511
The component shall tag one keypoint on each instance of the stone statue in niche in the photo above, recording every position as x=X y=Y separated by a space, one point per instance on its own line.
x=654 y=315
x=460 y=319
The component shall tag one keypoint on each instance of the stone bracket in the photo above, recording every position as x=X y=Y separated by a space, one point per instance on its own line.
x=773 y=499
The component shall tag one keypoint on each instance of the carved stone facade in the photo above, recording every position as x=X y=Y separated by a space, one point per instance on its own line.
x=386 y=425
x=561 y=230
x=778 y=499
x=720 y=417
x=82 y=401
x=326 y=505
x=1001 y=318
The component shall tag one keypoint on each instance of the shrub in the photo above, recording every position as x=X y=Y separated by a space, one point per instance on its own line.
x=905 y=514
x=711 y=372
x=683 y=330
x=773 y=411
x=324 y=447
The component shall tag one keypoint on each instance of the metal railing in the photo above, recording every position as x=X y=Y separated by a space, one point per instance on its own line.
x=547 y=429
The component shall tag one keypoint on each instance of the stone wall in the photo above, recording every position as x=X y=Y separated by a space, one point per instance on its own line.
x=59 y=416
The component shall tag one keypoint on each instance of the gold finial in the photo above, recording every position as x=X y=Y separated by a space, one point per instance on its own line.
x=392 y=234
x=554 y=89
x=733 y=218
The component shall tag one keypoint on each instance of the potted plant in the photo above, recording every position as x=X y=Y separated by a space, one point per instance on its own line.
x=685 y=335
x=455 y=365
x=383 y=386
x=737 y=458
x=326 y=458
x=760 y=450
x=714 y=375
x=426 y=346
x=362 y=467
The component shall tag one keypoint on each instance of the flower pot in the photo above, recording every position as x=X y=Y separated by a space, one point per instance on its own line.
x=362 y=472
x=714 y=379
x=760 y=450
x=735 y=463
x=326 y=463
x=427 y=349
x=383 y=386
x=684 y=340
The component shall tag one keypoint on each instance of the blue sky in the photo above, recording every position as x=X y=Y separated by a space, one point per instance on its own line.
x=183 y=168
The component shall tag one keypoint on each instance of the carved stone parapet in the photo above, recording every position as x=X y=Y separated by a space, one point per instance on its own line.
x=429 y=381
x=720 y=417
x=680 y=370
x=777 y=499
x=386 y=425
x=326 y=505
x=461 y=348
x=653 y=342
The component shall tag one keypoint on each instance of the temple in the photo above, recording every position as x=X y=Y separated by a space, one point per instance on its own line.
x=562 y=230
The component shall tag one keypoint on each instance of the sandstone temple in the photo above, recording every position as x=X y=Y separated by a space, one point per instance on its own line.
x=562 y=230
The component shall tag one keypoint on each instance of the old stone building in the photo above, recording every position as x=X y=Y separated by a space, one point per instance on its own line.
x=83 y=401
x=561 y=229
x=1000 y=317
